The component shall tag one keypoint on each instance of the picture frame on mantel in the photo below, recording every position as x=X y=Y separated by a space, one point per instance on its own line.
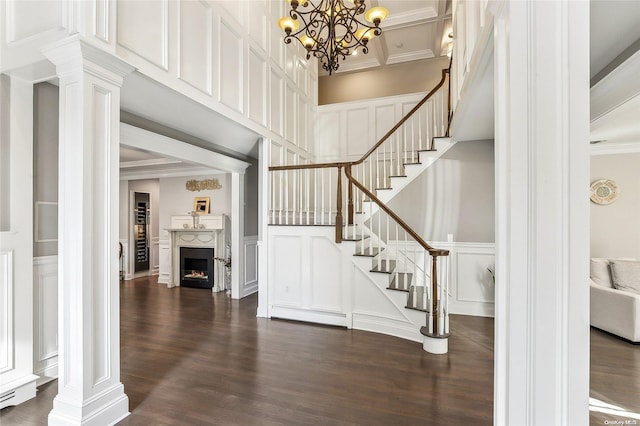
x=201 y=205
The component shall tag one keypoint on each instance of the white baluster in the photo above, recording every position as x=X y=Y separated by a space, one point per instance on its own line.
x=419 y=114
x=413 y=139
x=330 y=189
x=322 y=196
x=425 y=299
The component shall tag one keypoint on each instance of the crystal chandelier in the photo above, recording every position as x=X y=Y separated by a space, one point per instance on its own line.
x=331 y=29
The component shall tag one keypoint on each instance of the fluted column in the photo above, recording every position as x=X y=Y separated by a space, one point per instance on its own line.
x=89 y=388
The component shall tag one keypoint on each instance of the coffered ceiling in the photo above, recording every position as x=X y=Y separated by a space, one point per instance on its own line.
x=415 y=29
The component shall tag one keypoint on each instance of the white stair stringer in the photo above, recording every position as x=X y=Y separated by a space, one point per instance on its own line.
x=380 y=310
x=412 y=171
x=314 y=279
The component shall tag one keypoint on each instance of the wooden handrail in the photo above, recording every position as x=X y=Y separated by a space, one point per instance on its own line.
x=404 y=119
x=432 y=251
x=381 y=141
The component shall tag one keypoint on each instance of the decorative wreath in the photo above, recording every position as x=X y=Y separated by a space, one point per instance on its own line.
x=604 y=191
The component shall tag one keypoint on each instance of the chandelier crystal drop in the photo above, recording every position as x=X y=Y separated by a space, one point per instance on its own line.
x=332 y=29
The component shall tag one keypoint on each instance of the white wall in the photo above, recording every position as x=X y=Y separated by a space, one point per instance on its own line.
x=615 y=228
x=175 y=199
x=453 y=196
x=346 y=131
x=45 y=160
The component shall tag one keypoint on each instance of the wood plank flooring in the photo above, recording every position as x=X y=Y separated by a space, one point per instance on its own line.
x=193 y=358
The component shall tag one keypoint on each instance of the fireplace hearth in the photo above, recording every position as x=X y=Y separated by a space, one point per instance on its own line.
x=196 y=267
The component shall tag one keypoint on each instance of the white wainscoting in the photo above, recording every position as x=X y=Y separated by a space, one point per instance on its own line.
x=155 y=255
x=471 y=284
x=45 y=281
x=164 y=259
x=250 y=265
x=311 y=278
x=6 y=311
x=124 y=266
x=347 y=130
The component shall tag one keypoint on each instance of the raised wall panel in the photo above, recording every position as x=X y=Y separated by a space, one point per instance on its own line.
x=257 y=21
x=329 y=134
x=276 y=44
x=288 y=270
x=276 y=154
x=250 y=265
x=303 y=76
x=230 y=66
x=385 y=120
x=326 y=275
x=195 y=34
x=471 y=266
x=6 y=311
x=46 y=293
x=100 y=279
x=291 y=116
x=143 y=28
x=303 y=114
x=25 y=19
x=276 y=103
x=257 y=87
x=357 y=131
x=101 y=19
x=233 y=7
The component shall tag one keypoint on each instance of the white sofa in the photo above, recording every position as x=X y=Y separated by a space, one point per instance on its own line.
x=614 y=310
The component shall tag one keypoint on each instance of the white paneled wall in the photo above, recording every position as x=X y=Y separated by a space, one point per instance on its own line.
x=227 y=55
x=347 y=130
x=250 y=265
x=45 y=293
x=470 y=30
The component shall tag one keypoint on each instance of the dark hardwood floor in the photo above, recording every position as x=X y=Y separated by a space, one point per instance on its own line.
x=193 y=358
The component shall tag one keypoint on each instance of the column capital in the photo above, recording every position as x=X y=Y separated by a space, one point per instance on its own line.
x=74 y=53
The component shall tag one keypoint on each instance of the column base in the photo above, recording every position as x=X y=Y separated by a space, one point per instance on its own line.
x=18 y=391
x=107 y=408
x=435 y=346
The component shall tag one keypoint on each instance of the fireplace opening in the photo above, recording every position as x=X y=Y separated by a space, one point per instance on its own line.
x=196 y=267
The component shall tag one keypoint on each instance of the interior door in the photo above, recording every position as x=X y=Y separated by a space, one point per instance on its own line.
x=141 y=231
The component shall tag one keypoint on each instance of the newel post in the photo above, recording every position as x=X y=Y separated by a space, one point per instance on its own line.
x=350 y=201
x=339 y=207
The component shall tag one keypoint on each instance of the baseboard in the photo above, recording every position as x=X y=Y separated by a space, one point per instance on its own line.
x=391 y=327
x=47 y=374
x=18 y=391
x=250 y=288
x=107 y=408
x=297 y=314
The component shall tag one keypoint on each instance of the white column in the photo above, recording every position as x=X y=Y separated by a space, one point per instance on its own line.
x=542 y=212
x=263 y=227
x=89 y=388
x=17 y=382
x=237 y=235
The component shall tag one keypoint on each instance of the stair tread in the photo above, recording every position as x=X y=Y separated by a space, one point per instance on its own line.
x=399 y=285
x=383 y=267
x=368 y=252
x=427 y=150
x=385 y=189
x=411 y=164
x=398 y=176
x=355 y=237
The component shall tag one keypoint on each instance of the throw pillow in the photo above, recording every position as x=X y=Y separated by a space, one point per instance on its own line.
x=600 y=272
x=626 y=275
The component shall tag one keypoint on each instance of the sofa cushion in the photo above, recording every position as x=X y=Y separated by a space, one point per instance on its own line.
x=600 y=272
x=626 y=275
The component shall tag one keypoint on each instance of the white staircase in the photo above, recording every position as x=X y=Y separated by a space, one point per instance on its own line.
x=368 y=270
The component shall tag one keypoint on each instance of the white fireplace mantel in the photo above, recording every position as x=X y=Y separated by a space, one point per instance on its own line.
x=208 y=233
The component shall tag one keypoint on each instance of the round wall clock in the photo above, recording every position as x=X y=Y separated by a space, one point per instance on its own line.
x=604 y=191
